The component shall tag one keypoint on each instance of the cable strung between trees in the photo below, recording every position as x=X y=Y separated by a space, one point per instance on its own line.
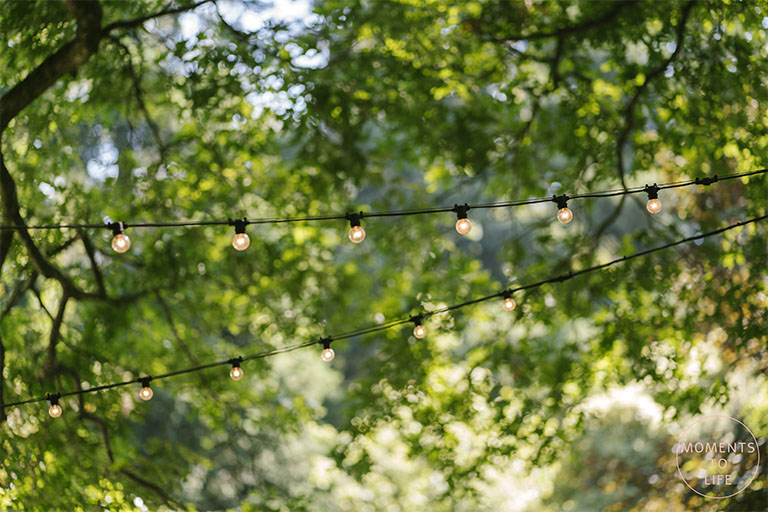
x=328 y=354
x=121 y=242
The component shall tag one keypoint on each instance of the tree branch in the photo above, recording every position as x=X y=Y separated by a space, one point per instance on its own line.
x=607 y=222
x=139 y=94
x=167 y=499
x=629 y=111
x=2 y=378
x=18 y=292
x=91 y=252
x=6 y=239
x=562 y=32
x=53 y=339
x=102 y=424
x=47 y=269
x=179 y=340
x=555 y=63
x=20 y=289
x=64 y=61
x=136 y=22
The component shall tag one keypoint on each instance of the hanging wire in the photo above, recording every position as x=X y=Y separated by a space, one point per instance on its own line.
x=394 y=323
x=705 y=181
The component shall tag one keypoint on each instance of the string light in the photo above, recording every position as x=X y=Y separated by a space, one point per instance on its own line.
x=55 y=409
x=120 y=241
x=509 y=302
x=241 y=241
x=145 y=393
x=356 y=231
x=564 y=214
x=327 y=354
x=654 y=203
x=418 y=329
x=463 y=224
x=236 y=372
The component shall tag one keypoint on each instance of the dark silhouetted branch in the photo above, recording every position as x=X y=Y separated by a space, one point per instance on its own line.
x=137 y=22
x=585 y=26
x=91 y=252
x=629 y=111
x=64 y=61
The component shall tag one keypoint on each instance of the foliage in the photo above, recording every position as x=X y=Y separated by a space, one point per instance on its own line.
x=123 y=110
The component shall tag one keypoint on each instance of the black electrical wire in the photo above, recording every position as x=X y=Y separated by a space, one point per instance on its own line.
x=393 y=323
x=705 y=181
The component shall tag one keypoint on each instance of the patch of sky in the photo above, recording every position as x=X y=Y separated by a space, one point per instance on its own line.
x=104 y=163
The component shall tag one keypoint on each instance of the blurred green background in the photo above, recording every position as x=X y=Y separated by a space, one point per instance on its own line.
x=156 y=111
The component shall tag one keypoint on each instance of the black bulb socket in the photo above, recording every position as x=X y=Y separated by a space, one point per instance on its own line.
x=239 y=225
x=652 y=191
x=118 y=228
x=354 y=219
x=561 y=201
x=461 y=210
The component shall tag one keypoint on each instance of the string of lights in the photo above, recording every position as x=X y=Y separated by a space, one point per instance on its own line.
x=328 y=354
x=121 y=242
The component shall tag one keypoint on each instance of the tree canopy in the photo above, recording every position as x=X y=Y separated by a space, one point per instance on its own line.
x=163 y=111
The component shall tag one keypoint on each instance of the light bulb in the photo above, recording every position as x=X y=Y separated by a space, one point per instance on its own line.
x=356 y=234
x=419 y=331
x=121 y=243
x=565 y=215
x=54 y=410
x=327 y=354
x=241 y=241
x=653 y=206
x=463 y=226
x=509 y=304
x=145 y=393
x=236 y=373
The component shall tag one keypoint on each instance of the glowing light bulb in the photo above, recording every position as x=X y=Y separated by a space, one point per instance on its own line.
x=356 y=231
x=241 y=241
x=327 y=354
x=419 y=331
x=356 y=234
x=121 y=243
x=463 y=226
x=54 y=410
x=236 y=372
x=509 y=304
x=653 y=206
x=146 y=393
x=564 y=215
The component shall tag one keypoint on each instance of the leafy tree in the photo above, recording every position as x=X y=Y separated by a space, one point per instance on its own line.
x=152 y=111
